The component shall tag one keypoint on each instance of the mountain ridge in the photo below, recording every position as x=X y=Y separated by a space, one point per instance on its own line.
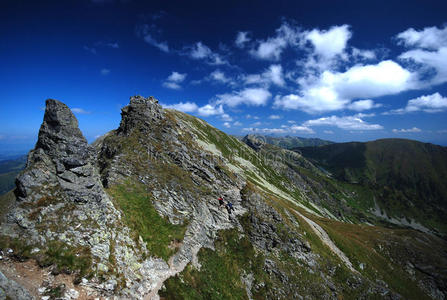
x=136 y=215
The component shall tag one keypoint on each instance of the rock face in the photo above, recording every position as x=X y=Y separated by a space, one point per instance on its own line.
x=62 y=157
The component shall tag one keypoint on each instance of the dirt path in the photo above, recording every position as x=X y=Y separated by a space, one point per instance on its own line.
x=324 y=237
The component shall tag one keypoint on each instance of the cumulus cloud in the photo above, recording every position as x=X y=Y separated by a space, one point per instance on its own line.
x=272 y=48
x=241 y=39
x=210 y=110
x=428 y=38
x=201 y=51
x=331 y=42
x=430 y=52
x=80 y=111
x=410 y=130
x=429 y=103
x=227 y=124
x=248 y=96
x=177 y=77
x=346 y=123
x=237 y=123
x=274 y=117
x=174 y=80
x=272 y=75
x=187 y=107
x=361 y=105
x=335 y=90
x=219 y=76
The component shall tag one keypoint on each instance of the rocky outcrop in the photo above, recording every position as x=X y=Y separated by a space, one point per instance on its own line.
x=62 y=157
x=141 y=113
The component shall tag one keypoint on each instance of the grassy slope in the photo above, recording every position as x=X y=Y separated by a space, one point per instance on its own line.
x=408 y=178
x=140 y=215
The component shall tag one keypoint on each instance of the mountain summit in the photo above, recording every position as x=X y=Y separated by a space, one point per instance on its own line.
x=168 y=206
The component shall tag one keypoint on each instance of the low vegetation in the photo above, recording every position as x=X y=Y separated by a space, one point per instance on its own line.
x=141 y=216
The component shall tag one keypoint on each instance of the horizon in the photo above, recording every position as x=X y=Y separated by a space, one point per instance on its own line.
x=348 y=72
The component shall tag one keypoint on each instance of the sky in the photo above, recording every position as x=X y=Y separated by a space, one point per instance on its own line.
x=336 y=70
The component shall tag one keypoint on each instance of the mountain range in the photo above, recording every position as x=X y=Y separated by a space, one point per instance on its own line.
x=136 y=215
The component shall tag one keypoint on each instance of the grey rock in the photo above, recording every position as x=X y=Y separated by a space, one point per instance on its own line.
x=13 y=290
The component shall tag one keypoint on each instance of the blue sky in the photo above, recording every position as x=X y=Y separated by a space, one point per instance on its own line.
x=337 y=70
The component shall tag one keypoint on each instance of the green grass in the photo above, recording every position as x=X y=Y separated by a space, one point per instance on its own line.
x=220 y=272
x=141 y=216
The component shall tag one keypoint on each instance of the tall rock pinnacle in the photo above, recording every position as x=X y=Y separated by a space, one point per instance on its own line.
x=62 y=158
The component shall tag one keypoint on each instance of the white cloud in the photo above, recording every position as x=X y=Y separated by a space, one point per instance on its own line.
x=105 y=72
x=274 y=117
x=428 y=38
x=201 y=51
x=275 y=75
x=363 y=54
x=177 y=77
x=328 y=131
x=284 y=129
x=272 y=48
x=173 y=81
x=410 y=130
x=335 y=91
x=187 y=107
x=237 y=123
x=219 y=76
x=226 y=117
x=210 y=110
x=429 y=60
x=272 y=75
x=248 y=96
x=429 y=103
x=301 y=129
x=226 y=124
x=329 y=43
x=346 y=123
x=430 y=52
x=256 y=124
x=80 y=111
x=163 y=46
x=361 y=105
x=171 y=85
x=241 y=39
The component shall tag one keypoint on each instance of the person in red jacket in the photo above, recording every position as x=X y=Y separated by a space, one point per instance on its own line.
x=221 y=201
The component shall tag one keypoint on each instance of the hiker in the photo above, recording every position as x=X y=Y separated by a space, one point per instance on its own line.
x=229 y=207
x=221 y=201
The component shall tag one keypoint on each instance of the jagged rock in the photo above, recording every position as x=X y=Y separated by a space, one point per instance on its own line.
x=140 y=113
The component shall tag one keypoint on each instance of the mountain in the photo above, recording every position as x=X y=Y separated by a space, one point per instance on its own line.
x=408 y=179
x=9 y=169
x=290 y=142
x=136 y=215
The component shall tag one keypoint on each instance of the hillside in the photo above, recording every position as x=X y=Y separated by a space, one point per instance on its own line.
x=136 y=215
x=290 y=142
x=408 y=178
